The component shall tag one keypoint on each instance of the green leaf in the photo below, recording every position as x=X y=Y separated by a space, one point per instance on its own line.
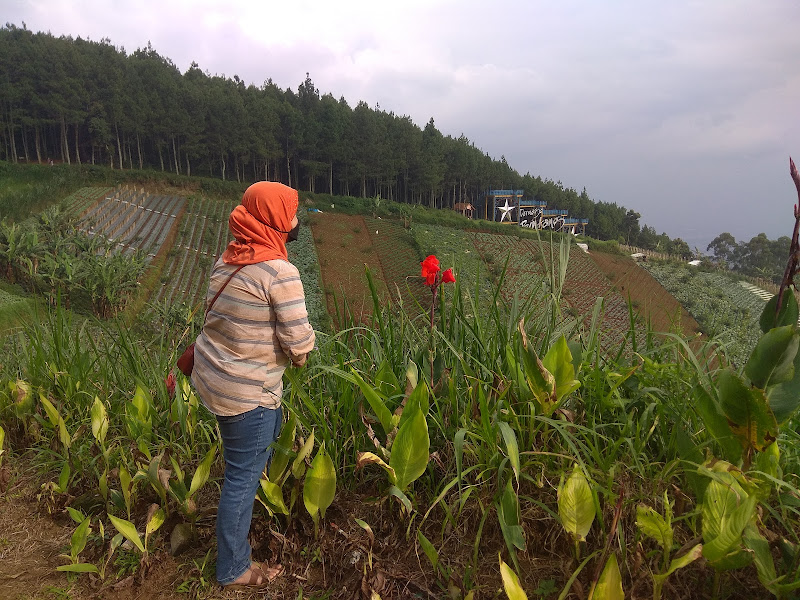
x=203 y=471
x=404 y=501
x=76 y=515
x=299 y=465
x=680 y=562
x=511 y=583
x=320 y=485
x=508 y=515
x=99 y=421
x=428 y=549
x=79 y=568
x=784 y=398
x=142 y=402
x=282 y=450
x=717 y=425
x=558 y=361
x=726 y=510
x=747 y=410
x=376 y=403
x=772 y=360
x=63 y=478
x=653 y=525
x=386 y=381
x=540 y=381
x=762 y=557
x=79 y=536
x=412 y=374
x=510 y=438
x=410 y=451
x=156 y=521
x=787 y=316
x=127 y=529
x=417 y=401
x=575 y=504
x=274 y=497
x=609 y=586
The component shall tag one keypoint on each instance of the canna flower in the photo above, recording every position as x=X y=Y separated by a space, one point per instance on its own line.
x=430 y=268
x=448 y=277
x=170 y=383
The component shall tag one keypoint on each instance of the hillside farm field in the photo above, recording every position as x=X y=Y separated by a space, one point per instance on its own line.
x=497 y=447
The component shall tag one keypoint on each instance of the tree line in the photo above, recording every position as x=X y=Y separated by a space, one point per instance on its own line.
x=81 y=101
x=760 y=257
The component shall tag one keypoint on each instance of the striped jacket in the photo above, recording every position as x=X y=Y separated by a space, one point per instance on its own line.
x=257 y=325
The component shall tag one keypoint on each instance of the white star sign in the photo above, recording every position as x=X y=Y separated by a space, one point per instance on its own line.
x=506 y=209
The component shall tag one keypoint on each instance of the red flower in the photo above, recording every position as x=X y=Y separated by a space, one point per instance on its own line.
x=170 y=382
x=448 y=277
x=430 y=267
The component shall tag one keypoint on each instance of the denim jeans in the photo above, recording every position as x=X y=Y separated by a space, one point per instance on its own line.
x=246 y=441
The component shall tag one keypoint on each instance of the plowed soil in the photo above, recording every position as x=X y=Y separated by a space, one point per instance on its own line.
x=648 y=296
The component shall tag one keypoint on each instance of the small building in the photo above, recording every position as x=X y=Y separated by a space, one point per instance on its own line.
x=695 y=263
x=465 y=208
x=639 y=256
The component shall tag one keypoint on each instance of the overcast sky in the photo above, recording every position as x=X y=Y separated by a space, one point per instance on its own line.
x=685 y=111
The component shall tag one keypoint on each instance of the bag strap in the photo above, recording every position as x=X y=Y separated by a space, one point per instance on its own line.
x=227 y=281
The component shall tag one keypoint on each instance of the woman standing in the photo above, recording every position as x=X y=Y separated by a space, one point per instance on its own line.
x=255 y=328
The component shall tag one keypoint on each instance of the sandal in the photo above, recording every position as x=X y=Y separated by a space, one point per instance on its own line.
x=260 y=576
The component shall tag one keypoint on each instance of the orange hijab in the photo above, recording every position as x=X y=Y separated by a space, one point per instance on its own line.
x=260 y=224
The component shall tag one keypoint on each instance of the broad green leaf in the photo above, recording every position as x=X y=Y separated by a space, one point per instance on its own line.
x=376 y=403
x=788 y=315
x=203 y=471
x=784 y=398
x=320 y=484
x=63 y=478
x=127 y=529
x=299 y=464
x=609 y=586
x=540 y=381
x=125 y=483
x=762 y=557
x=2 y=440
x=510 y=438
x=79 y=568
x=56 y=420
x=99 y=421
x=156 y=521
x=511 y=583
x=410 y=451
x=79 y=536
x=726 y=510
x=76 y=515
x=386 y=382
x=103 y=484
x=370 y=458
x=274 y=497
x=508 y=515
x=575 y=504
x=680 y=562
x=772 y=360
x=417 y=401
x=747 y=411
x=404 y=501
x=142 y=401
x=428 y=549
x=654 y=525
x=717 y=425
x=558 y=361
x=412 y=374
x=282 y=450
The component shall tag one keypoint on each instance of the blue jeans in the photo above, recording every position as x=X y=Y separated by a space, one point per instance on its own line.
x=246 y=441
